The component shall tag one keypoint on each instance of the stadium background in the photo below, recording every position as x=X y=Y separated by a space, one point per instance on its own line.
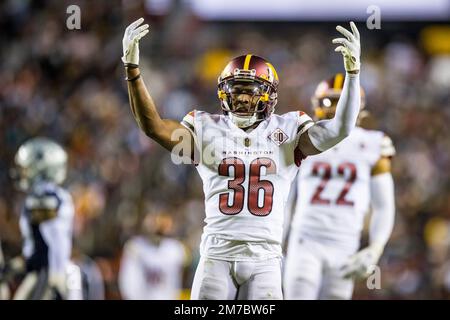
x=68 y=85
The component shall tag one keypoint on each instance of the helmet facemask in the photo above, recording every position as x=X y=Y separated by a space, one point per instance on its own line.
x=246 y=102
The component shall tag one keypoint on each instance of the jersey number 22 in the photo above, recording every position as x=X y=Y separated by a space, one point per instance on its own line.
x=326 y=176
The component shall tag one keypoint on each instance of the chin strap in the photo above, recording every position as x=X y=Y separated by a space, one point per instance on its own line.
x=242 y=122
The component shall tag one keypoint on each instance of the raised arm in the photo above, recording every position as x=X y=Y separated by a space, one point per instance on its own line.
x=325 y=134
x=141 y=103
x=383 y=210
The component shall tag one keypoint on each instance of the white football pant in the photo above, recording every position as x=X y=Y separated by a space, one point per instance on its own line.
x=312 y=271
x=242 y=280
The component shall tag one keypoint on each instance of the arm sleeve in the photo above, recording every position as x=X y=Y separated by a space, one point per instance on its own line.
x=383 y=209
x=327 y=133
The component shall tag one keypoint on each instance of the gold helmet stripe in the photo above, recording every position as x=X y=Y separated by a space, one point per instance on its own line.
x=338 y=80
x=247 y=61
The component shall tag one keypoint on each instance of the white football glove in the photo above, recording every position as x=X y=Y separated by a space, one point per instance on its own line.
x=360 y=265
x=350 y=48
x=130 y=42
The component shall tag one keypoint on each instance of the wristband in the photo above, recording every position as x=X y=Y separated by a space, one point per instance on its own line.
x=133 y=78
x=130 y=65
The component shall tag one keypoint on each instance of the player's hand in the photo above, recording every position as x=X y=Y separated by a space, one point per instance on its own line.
x=130 y=42
x=361 y=263
x=350 y=48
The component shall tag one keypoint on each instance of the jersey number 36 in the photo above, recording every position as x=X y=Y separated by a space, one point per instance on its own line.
x=260 y=192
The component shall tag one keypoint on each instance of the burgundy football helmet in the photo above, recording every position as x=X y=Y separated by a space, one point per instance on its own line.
x=258 y=80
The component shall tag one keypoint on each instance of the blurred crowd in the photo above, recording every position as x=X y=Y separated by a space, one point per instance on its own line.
x=69 y=85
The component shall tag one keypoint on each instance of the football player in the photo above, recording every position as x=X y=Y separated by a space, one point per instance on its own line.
x=334 y=191
x=247 y=157
x=152 y=263
x=45 y=221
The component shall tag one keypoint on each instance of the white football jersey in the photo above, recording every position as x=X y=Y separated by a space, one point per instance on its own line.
x=333 y=188
x=246 y=180
x=49 y=243
x=151 y=272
